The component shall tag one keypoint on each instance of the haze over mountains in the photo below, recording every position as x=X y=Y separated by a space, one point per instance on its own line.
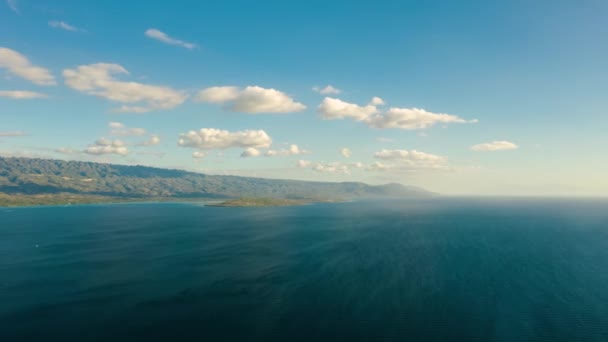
x=44 y=176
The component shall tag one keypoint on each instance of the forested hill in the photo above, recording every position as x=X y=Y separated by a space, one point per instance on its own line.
x=43 y=176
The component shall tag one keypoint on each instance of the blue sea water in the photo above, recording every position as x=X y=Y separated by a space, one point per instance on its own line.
x=450 y=269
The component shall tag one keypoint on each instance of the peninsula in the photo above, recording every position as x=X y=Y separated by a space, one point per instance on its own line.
x=25 y=181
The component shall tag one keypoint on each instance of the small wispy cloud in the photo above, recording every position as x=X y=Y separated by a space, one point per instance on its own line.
x=346 y=152
x=17 y=64
x=117 y=128
x=12 y=134
x=502 y=145
x=22 y=94
x=12 y=4
x=153 y=141
x=165 y=38
x=327 y=90
x=64 y=26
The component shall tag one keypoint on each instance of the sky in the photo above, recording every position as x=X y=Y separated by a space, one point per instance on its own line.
x=458 y=97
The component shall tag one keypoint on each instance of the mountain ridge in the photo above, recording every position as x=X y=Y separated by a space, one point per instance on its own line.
x=34 y=176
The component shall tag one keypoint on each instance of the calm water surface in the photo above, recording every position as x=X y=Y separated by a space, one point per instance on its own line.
x=431 y=270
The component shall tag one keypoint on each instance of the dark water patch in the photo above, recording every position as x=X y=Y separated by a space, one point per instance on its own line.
x=430 y=270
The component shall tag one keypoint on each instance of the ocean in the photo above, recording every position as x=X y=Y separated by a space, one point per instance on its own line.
x=443 y=269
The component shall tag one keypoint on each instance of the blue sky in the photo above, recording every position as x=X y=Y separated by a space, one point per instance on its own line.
x=474 y=97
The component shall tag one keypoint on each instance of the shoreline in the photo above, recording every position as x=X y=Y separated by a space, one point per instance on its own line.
x=66 y=200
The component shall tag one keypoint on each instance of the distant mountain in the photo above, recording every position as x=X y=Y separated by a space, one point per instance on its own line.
x=26 y=176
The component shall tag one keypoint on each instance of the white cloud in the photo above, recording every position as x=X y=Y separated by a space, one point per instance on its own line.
x=376 y=101
x=411 y=118
x=105 y=146
x=293 y=150
x=116 y=125
x=119 y=129
x=64 y=26
x=107 y=142
x=346 y=152
x=400 y=118
x=153 y=141
x=327 y=90
x=332 y=109
x=98 y=80
x=385 y=140
x=12 y=4
x=22 y=94
x=165 y=38
x=12 y=134
x=131 y=109
x=218 y=94
x=378 y=166
x=199 y=154
x=303 y=164
x=330 y=168
x=413 y=158
x=18 y=65
x=251 y=99
x=333 y=167
x=494 y=146
x=211 y=138
x=250 y=152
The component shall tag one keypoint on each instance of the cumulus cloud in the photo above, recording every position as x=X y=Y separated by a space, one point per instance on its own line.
x=413 y=158
x=251 y=99
x=378 y=166
x=152 y=141
x=502 y=145
x=251 y=152
x=12 y=134
x=399 y=118
x=376 y=101
x=411 y=119
x=18 y=65
x=119 y=129
x=211 y=138
x=165 y=38
x=106 y=146
x=327 y=90
x=218 y=95
x=333 y=167
x=98 y=80
x=346 y=152
x=330 y=168
x=332 y=109
x=22 y=94
x=293 y=150
x=64 y=26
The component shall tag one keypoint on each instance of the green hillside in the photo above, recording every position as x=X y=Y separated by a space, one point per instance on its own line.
x=43 y=178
